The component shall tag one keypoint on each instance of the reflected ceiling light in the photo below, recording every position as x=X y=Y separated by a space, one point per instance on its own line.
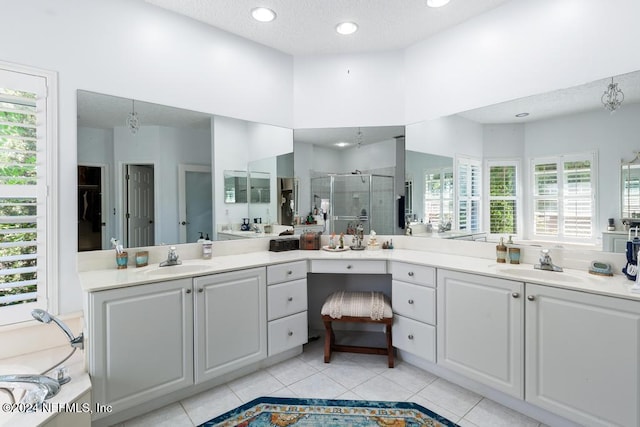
x=346 y=28
x=612 y=97
x=263 y=14
x=437 y=3
x=522 y=114
x=342 y=144
x=133 y=122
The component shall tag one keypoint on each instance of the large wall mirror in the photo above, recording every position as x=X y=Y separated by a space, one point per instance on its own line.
x=549 y=166
x=151 y=174
x=350 y=176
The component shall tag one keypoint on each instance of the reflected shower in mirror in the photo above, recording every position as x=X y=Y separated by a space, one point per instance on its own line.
x=235 y=186
x=350 y=176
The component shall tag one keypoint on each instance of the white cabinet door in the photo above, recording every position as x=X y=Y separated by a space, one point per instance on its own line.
x=582 y=356
x=480 y=329
x=230 y=321
x=141 y=342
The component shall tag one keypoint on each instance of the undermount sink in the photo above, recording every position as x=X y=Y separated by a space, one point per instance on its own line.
x=176 y=269
x=540 y=274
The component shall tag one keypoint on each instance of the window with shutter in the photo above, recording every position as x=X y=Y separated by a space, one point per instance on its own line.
x=563 y=197
x=504 y=197
x=438 y=196
x=469 y=181
x=25 y=175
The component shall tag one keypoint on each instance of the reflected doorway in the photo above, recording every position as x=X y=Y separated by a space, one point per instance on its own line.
x=195 y=201
x=139 y=205
x=91 y=223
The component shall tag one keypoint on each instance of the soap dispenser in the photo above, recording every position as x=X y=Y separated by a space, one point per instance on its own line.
x=501 y=251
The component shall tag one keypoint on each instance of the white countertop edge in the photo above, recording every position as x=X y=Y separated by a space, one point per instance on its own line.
x=616 y=286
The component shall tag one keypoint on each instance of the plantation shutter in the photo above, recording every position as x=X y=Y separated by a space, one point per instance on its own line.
x=578 y=203
x=503 y=199
x=23 y=194
x=438 y=196
x=469 y=194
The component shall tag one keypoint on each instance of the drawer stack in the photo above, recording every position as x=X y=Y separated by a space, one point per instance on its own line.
x=286 y=306
x=414 y=307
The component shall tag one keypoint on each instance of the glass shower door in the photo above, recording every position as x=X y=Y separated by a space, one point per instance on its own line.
x=351 y=203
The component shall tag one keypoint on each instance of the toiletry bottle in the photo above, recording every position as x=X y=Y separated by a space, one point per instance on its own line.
x=207 y=248
x=201 y=238
x=501 y=251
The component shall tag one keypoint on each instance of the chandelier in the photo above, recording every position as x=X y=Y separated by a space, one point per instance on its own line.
x=132 y=122
x=359 y=138
x=612 y=97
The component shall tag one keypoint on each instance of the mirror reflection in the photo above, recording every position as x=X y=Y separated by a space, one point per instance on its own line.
x=146 y=175
x=546 y=166
x=350 y=177
x=235 y=186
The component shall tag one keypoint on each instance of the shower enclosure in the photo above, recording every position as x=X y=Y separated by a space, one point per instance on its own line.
x=352 y=199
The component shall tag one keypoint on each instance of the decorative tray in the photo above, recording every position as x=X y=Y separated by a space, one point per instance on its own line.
x=327 y=248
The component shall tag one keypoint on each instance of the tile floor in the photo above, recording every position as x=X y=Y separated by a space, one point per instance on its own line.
x=348 y=376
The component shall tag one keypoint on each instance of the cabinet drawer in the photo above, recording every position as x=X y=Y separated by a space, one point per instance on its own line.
x=284 y=272
x=415 y=337
x=413 y=301
x=287 y=333
x=413 y=273
x=348 y=266
x=286 y=298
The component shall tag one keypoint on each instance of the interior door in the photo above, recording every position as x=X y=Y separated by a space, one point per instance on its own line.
x=139 y=205
x=195 y=202
x=91 y=206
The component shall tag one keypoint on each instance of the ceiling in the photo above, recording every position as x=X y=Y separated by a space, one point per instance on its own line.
x=307 y=27
x=328 y=137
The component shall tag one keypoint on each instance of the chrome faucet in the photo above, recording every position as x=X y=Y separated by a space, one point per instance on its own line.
x=546 y=263
x=172 y=258
x=38 y=387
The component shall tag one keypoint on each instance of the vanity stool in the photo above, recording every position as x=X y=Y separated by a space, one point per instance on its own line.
x=359 y=307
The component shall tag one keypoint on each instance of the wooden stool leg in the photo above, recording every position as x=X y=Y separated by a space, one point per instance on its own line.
x=389 y=345
x=328 y=340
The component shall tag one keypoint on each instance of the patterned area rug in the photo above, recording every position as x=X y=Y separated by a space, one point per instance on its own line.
x=282 y=412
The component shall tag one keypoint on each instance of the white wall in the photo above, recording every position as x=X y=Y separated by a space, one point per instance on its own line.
x=521 y=48
x=446 y=136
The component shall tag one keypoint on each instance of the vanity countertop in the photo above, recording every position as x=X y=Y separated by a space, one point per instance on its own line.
x=617 y=286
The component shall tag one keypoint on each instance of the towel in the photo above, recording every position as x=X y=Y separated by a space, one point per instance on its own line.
x=371 y=304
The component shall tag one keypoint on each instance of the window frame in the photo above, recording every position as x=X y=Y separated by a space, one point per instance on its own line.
x=47 y=239
x=518 y=198
x=460 y=163
x=441 y=200
x=560 y=160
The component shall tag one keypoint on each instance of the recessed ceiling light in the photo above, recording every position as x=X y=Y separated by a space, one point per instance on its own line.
x=346 y=28
x=341 y=144
x=437 y=3
x=522 y=114
x=263 y=14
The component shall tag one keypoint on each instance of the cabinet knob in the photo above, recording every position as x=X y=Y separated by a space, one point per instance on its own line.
x=349 y=267
x=410 y=274
x=289 y=272
x=410 y=336
x=201 y=290
x=290 y=299
x=187 y=291
x=290 y=333
x=410 y=301
x=531 y=298
x=515 y=295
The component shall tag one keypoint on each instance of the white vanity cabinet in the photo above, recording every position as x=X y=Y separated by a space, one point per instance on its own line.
x=481 y=329
x=286 y=306
x=230 y=321
x=140 y=342
x=414 y=306
x=582 y=353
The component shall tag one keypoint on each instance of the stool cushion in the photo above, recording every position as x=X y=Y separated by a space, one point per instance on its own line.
x=375 y=305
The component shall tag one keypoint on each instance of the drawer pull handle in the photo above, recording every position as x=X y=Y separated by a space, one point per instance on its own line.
x=290 y=333
x=410 y=301
x=290 y=299
x=289 y=272
x=410 y=336
x=410 y=274
x=531 y=298
x=187 y=291
x=349 y=267
x=515 y=295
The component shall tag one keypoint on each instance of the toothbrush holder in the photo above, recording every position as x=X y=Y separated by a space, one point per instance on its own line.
x=122 y=259
x=142 y=258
